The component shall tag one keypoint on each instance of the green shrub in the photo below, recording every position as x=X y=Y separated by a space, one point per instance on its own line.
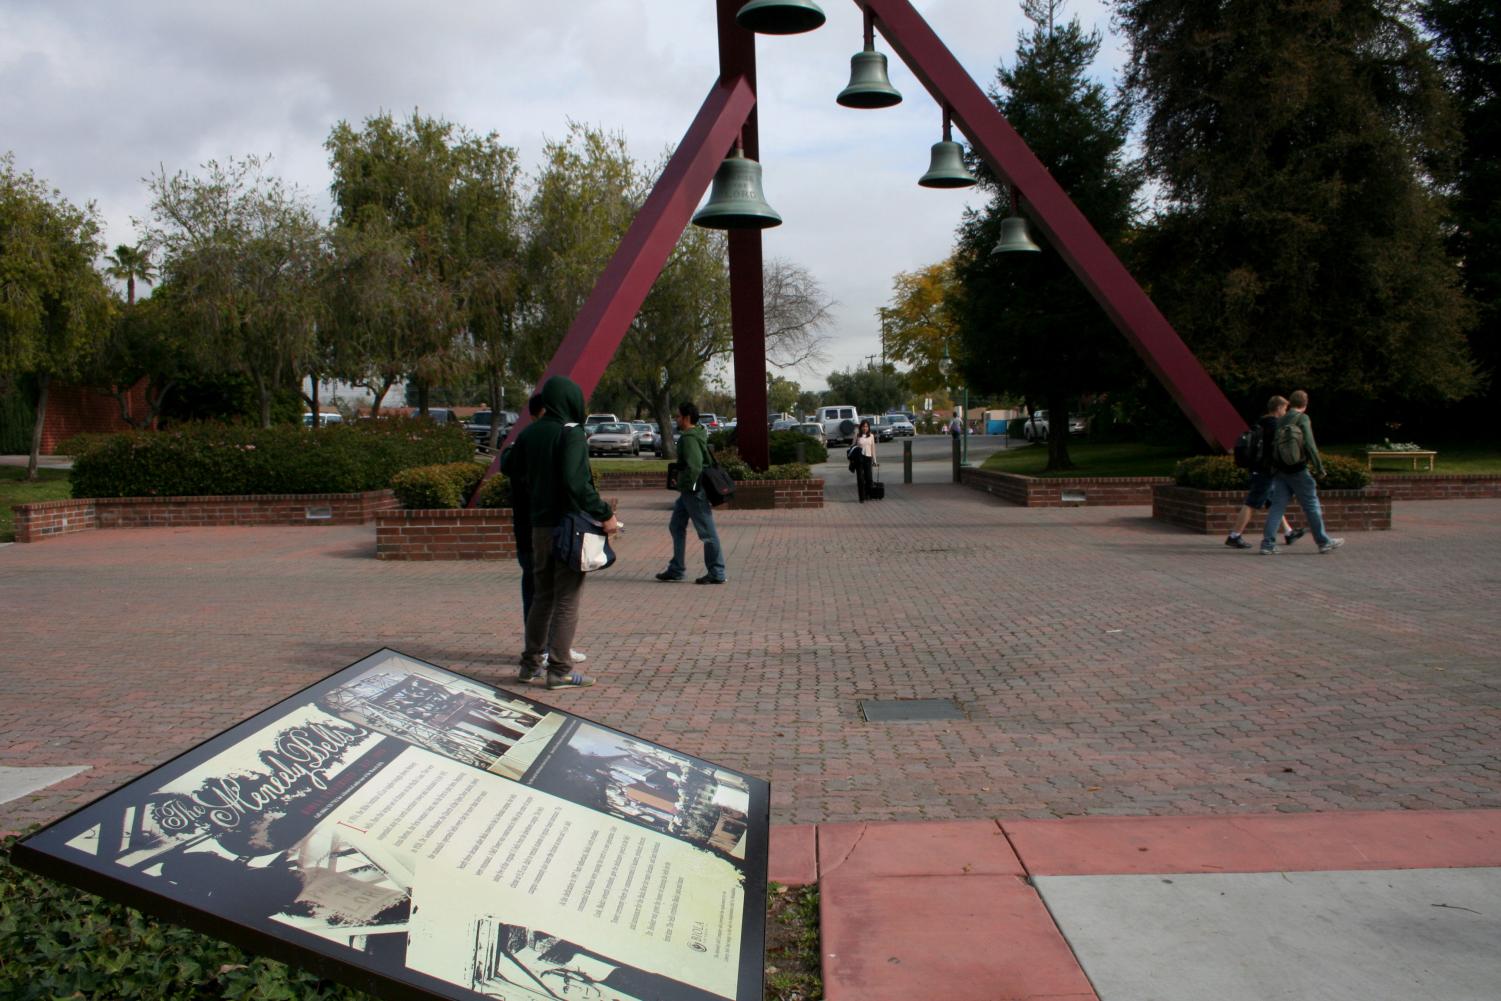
x=1016 y=427
x=443 y=486
x=58 y=942
x=785 y=471
x=223 y=459
x=1341 y=473
x=1211 y=472
x=784 y=448
x=496 y=492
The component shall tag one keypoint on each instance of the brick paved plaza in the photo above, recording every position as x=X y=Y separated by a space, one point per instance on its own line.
x=1104 y=664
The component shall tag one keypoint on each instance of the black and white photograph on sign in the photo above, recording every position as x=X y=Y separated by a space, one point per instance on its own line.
x=444 y=713
x=398 y=821
x=649 y=785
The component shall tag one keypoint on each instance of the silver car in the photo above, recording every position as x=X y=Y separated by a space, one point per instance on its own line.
x=646 y=438
x=614 y=439
x=813 y=430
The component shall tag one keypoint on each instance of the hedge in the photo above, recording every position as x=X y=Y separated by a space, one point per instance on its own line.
x=448 y=486
x=193 y=460
x=782 y=446
x=1219 y=472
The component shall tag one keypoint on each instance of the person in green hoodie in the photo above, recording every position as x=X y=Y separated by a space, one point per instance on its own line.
x=1292 y=477
x=552 y=456
x=693 y=503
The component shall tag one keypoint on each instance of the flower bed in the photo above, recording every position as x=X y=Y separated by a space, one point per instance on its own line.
x=1215 y=511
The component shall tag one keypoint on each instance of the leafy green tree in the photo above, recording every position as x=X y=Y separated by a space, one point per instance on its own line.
x=1467 y=39
x=872 y=389
x=54 y=306
x=1297 y=147
x=781 y=394
x=244 y=253
x=808 y=400
x=130 y=264
x=144 y=341
x=920 y=321
x=1027 y=326
x=435 y=207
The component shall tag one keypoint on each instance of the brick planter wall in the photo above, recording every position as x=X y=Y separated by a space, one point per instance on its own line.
x=631 y=481
x=1433 y=486
x=463 y=534
x=1215 y=511
x=35 y=522
x=1072 y=491
x=751 y=495
x=44 y=519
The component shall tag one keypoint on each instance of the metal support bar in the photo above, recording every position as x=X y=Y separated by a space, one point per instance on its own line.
x=906 y=460
x=1055 y=215
x=617 y=296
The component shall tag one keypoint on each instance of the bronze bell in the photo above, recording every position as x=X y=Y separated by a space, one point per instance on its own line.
x=869 y=86
x=780 y=17
x=946 y=167
x=735 y=198
x=1014 y=237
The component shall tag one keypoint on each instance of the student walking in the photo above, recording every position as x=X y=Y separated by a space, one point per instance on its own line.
x=553 y=455
x=863 y=459
x=1261 y=478
x=693 y=503
x=1293 y=453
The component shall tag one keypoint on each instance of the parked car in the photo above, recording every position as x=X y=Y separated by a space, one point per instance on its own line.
x=839 y=423
x=614 y=438
x=785 y=424
x=478 y=425
x=323 y=419
x=601 y=419
x=878 y=427
x=647 y=439
x=1036 y=427
x=709 y=422
x=901 y=425
x=813 y=430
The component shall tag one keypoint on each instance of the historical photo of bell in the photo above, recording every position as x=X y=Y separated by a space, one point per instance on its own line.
x=447 y=714
x=648 y=785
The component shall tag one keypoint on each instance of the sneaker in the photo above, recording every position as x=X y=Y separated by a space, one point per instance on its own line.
x=1236 y=542
x=578 y=656
x=668 y=575
x=1295 y=535
x=574 y=680
x=1268 y=550
x=1331 y=545
x=706 y=579
x=529 y=674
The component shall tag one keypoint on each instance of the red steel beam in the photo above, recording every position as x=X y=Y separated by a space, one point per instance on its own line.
x=617 y=296
x=1060 y=220
x=737 y=57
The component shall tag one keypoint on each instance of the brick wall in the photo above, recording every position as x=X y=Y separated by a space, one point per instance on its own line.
x=35 y=522
x=752 y=494
x=1215 y=511
x=464 y=534
x=1073 y=491
x=75 y=409
x=1433 y=486
x=631 y=481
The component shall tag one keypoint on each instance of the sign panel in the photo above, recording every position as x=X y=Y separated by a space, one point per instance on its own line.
x=416 y=833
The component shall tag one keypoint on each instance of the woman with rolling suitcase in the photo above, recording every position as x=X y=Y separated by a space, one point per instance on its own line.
x=863 y=460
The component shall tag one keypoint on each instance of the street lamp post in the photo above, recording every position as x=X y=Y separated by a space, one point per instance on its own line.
x=948 y=371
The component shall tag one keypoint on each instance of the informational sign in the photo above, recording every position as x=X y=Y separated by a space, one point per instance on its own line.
x=416 y=833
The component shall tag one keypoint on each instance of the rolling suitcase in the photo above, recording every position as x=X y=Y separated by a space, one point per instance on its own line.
x=877 y=488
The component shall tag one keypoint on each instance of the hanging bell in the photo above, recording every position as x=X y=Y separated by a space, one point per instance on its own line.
x=946 y=167
x=869 y=86
x=1014 y=237
x=780 y=17
x=735 y=199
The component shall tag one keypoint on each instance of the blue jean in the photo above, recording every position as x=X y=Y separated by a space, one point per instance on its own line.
x=695 y=507
x=1286 y=486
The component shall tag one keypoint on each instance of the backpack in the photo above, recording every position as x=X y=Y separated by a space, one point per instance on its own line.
x=1287 y=449
x=1250 y=449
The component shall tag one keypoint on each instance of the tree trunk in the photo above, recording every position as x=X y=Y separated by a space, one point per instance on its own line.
x=122 y=400
x=662 y=409
x=154 y=404
x=422 y=399
x=497 y=403
x=42 y=381
x=264 y=391
x=380 y=394
x=317 y=418
x=1058 y=432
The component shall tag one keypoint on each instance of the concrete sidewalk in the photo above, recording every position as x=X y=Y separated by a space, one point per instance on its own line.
x=1097 y=664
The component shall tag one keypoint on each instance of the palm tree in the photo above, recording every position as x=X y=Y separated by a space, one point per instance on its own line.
x=127 y=264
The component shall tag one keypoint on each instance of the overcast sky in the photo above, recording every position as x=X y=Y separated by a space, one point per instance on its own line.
x=96 y=95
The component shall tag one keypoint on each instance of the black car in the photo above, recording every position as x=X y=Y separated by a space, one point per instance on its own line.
x=478 y=425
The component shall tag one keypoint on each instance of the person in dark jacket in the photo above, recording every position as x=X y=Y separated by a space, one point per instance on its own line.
x=693 y=503
x=1261 y=480
x=552 y=456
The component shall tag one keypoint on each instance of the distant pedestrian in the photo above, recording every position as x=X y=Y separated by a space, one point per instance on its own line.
x=521 y=521
x=693 y=503
x=863 y=456
x=554 y=458
x=1258 y=496
x=1293 y=453
x=956 y=427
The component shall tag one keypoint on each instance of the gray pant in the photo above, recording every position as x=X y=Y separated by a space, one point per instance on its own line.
x=555 y=608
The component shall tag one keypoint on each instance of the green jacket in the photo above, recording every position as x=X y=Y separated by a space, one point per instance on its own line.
x=1310 y=449
x=693 y=456
x=552 y=458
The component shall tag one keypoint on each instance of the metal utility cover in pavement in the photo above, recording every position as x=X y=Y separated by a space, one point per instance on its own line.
x=908 y=710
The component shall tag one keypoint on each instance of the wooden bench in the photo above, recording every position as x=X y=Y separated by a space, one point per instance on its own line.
x=1414 y=455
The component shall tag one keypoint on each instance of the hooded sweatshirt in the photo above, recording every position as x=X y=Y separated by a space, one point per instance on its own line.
x=553 y=458
x=693 y=456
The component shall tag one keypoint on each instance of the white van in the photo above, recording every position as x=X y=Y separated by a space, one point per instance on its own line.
x=835 y=429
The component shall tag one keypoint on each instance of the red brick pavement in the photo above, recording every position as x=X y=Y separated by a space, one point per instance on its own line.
x=1105 y=664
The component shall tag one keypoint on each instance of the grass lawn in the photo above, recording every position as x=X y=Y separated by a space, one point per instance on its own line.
x=1457 y=459
x=1123 y=459
x=52 y=485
